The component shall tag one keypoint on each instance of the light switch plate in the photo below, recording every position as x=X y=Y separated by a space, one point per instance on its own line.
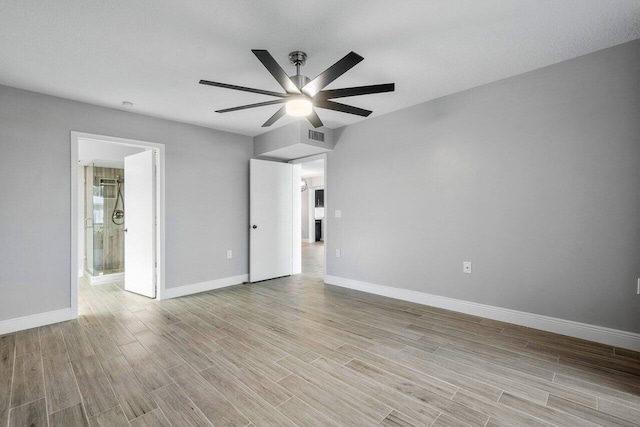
x=466 y=267
x=337 y=253
x=338 y=214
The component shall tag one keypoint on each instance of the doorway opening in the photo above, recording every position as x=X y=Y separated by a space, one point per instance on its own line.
x=276 y=246
x=117 y=215
x=313 y=222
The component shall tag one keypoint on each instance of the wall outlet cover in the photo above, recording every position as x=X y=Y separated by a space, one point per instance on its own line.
x=466 y=267
x=337 y=253
x=338 y=214
x=229 y=254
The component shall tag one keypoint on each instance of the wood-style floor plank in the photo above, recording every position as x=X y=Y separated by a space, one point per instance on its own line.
x=7 y=351
x=32 y=414
x=348 y=394
x=159 y=349
x=51 y=340
x=586 y=413
x=94 y=386
x=73 y=416
x=304 y=415
x=326 y=403
x=270 y=391
x=118 y=333
x=178 y=408
x=431 y=398
x=27 y=342
x=112 y=418
x=625 y=412
x=60 y=383
x=544 y=413
x=398 y=419
x=154 y=418
x=252 y=406
x=145 y=367
x=101 y=343
x=6 y=376
x=76 y=341
x=211 y=402
x=134 y=398
x=28 y=382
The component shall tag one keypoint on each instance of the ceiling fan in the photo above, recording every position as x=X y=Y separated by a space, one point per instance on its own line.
x=303 y=94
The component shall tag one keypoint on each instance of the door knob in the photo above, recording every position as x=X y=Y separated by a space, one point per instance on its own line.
x=254 y=226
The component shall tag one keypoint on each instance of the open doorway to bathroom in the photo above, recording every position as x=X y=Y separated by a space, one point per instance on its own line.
x=118 y=217
x=102 y=204
x=313 y=221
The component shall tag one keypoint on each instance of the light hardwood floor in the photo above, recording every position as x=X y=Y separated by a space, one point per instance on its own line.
x=294 y=351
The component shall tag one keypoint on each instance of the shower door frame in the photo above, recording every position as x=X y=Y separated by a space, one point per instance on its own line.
x=159 y=149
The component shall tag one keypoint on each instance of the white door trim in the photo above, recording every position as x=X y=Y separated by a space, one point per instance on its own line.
x=76 y=137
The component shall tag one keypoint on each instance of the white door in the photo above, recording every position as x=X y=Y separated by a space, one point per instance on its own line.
x=139 y=219
x=270 y=216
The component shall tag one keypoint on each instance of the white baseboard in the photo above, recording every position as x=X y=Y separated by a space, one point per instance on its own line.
x=106 y=278
x=35 y=320
x=195 y=288
x=600 y=334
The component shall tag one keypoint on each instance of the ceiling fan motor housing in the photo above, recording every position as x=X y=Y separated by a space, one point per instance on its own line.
x=298 y=59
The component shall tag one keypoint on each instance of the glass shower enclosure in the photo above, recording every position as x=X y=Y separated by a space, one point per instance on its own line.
x=103 y=220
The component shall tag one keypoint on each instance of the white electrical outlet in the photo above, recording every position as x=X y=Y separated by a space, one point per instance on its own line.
x=229 y=254
x=338 y=214
x=337 y=253
x=466 y=267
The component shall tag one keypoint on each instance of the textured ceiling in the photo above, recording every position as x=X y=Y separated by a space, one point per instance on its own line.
x=153 y=52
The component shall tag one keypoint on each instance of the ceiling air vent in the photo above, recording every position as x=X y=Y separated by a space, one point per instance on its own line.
x=316 y=136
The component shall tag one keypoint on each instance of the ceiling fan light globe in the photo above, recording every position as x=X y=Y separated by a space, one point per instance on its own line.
x=299 y=107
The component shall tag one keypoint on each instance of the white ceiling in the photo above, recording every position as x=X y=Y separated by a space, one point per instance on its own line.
x=312 y=168
x=294 y=151
x=153 y=52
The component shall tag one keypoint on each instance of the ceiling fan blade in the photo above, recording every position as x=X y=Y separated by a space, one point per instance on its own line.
x=259 y=104
x=242 y=88
x=336 y=106
x=281 y=112
x=276 y=71
x=331 y=73
x=314 y=119
x=355 y=91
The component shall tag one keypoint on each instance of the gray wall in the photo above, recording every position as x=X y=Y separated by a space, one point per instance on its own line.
x=535 y=179
x=206 y=197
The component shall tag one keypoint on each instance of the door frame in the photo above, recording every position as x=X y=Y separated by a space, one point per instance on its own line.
x=325 y=230
x=159 y=149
